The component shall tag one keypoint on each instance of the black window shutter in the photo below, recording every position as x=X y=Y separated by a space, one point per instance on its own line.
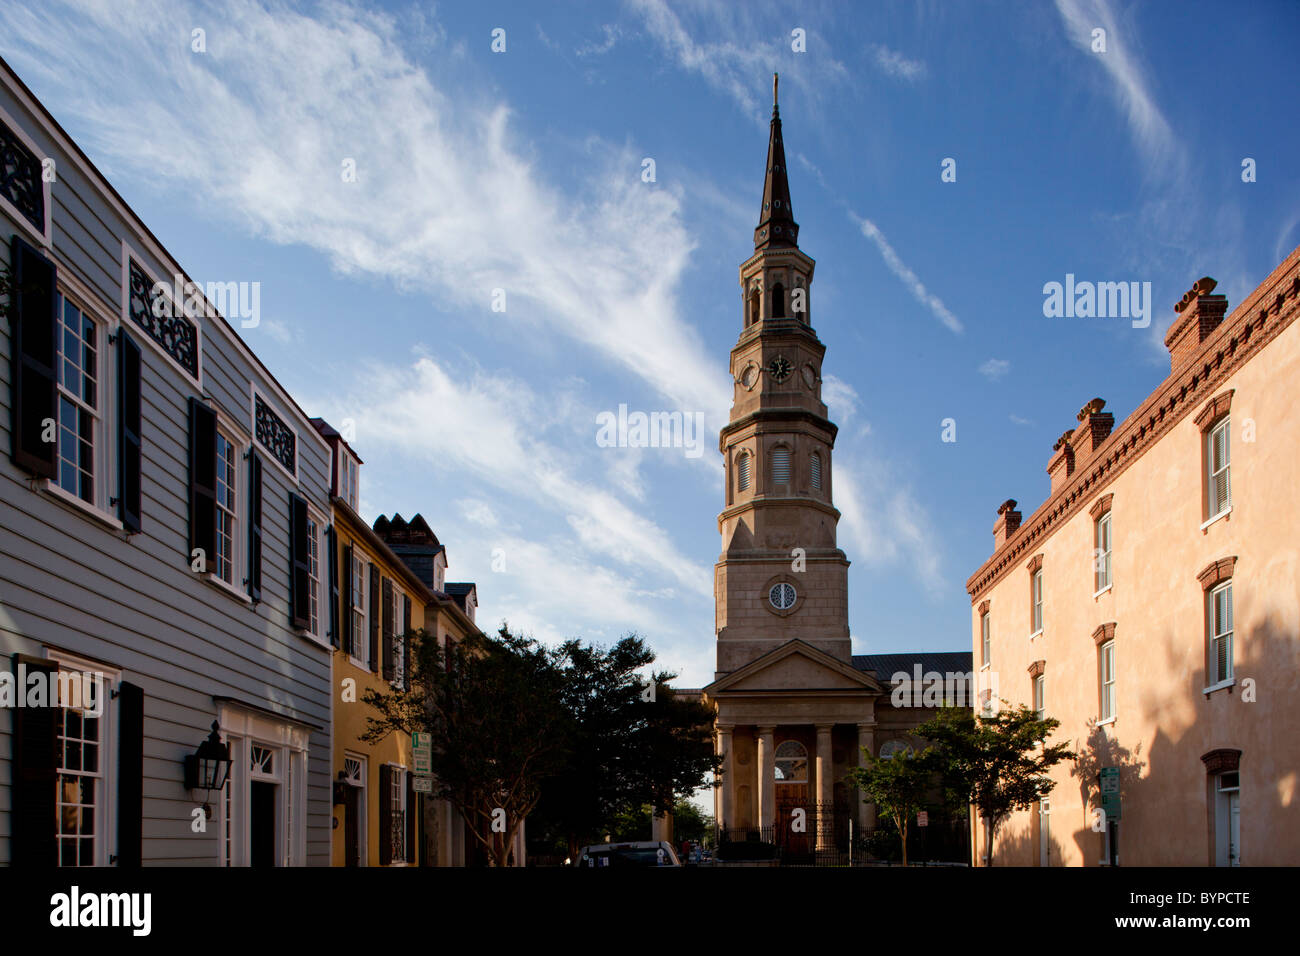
x=254 y=526
x=130 y=779
x=389 y=659
x=203 y=482
x=299 y=563
x=385 y=814
x=406 y=642
x=410 y=818
x=129 y=444
x=32 y=842
x=34 y=356
x=349 y=599
x=374 y=618
x=332 y=549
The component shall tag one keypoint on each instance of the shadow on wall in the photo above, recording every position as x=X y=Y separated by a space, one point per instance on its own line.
x=1023 y=848
x=1267 y=668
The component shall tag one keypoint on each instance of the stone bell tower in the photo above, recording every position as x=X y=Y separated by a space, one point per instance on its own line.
x=781 y=575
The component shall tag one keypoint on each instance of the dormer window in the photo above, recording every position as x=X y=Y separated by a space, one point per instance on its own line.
x=348 y=479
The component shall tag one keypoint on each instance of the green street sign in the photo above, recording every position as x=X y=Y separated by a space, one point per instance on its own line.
x=422 y=752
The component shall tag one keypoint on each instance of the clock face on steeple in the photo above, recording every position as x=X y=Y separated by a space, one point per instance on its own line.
x=779 y=368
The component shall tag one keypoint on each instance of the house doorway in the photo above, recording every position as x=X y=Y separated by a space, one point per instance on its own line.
x=261 y=830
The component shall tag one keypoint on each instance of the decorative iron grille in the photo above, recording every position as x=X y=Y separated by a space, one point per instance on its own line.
x=274 y=435
x=163 y=321
x=20 y=178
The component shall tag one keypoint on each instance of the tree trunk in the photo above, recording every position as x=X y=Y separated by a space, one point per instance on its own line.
x=988 y=830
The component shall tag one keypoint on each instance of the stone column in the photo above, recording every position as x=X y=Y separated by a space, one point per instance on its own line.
x=867 y=741
x=825 y=790
x=727 y=795
x=766 y=777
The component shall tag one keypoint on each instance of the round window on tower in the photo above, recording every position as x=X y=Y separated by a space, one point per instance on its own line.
x=782 y=596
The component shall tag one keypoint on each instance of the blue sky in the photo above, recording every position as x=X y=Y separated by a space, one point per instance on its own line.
x=522 y=170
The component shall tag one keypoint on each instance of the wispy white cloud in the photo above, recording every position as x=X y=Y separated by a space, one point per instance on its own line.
x=1017 y=420
x=995 y=368
x=909 y=278
x=895 y=64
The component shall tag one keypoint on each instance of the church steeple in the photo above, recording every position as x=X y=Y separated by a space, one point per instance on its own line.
x=776 y=225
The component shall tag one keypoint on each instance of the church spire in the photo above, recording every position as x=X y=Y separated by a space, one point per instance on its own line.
x=776 y=225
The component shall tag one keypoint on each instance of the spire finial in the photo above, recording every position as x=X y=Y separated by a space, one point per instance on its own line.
x=775 y=79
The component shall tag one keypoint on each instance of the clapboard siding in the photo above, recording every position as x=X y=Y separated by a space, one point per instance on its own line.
x=71 y=582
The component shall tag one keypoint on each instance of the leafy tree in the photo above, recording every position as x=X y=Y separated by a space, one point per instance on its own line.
x=897 y=785
x=493 y=708
x=998 y=763
x=634 y=743
x=690 y=822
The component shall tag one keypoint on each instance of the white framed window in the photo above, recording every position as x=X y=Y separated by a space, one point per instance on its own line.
x=1040 y=707
x=780 y=464
x=1036 y=598
x=815 y=464
x=1108 y=680
x=86 y=760
x=1102 y=544
x=1220 y=620
x=360 y=635
x=1218 y=459
x=397 y=814
x=348 y=473
x=80 y=429
x=39 y=231
x=354 y=775
x=743 y=471
x=315 y=529
x=986 y=640
x=226 y=560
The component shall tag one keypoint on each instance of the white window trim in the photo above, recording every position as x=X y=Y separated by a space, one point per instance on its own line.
x=399 y=637
x=107 y=809
x=1097 y=594
x=1114 y=682
x=1230 y=682
x=362 y=640
x=1223 y=424
x=1222 y=514
x=105 y=412
x=56 y=491
x=399 y=781
x=42 y=237
x=351 y=493
x=129 y=252
x=1210 y=636
x=240 y=514
x=1097 y=554
x=254 y=393
x=321 y=540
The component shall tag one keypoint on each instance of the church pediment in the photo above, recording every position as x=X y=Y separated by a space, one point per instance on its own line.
x=795 y=667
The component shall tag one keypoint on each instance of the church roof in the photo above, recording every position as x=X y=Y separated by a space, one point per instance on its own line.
x=884 y=666
x=776 y=225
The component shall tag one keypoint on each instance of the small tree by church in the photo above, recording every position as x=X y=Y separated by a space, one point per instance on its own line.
x=999 y=763
x=897 y=785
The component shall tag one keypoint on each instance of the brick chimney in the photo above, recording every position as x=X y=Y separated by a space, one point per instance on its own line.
x=1094 y=428
x=1007 y=524
x=1061 y=465
x=1199 y=314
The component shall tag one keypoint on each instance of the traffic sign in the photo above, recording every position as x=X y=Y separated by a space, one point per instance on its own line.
x=422 y=784
x=422 y=752
x=923 y=818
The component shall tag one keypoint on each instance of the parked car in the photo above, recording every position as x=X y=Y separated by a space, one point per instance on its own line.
x=640 y=853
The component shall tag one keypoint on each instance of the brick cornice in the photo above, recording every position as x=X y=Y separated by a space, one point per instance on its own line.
x=1264 y=315
x=1036 y=562
x=1214 y=409
x=1101 y=506
x=1105 y=632
x=1223 y=760
x=1216 y=572
x=1036 y=668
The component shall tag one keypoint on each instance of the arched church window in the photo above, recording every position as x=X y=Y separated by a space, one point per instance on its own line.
x=816 y=465
x=780 y=464
x=754 y=301
x=742 y=471
x=791 y=762
x=778 y=301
